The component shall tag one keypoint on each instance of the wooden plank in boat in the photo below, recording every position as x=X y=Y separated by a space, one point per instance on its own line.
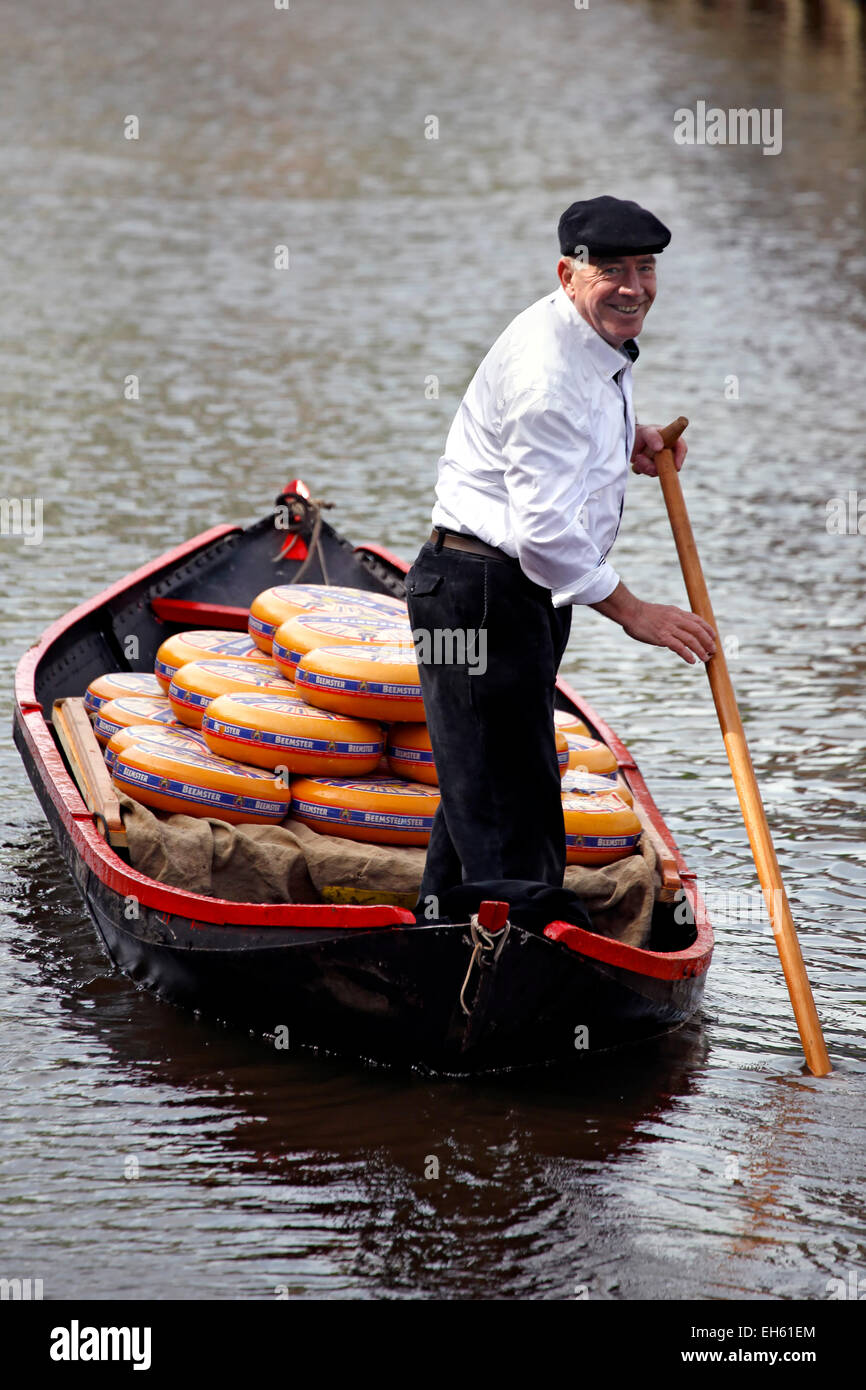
x=87 y=764
x=671 y=884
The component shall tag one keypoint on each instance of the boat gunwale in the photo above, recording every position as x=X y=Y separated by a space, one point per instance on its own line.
x=101 y=859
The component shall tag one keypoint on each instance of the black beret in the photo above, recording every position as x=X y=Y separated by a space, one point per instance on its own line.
x=611 y=227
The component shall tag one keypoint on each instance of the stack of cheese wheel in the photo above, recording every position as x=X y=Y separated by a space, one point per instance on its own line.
x=163 y=736
x=194 y=685
x=410 y=754
x=117 y=684
x=589 y=755
x=274 y=606
x=297 y=636
x=285 y=733
x=176 y=651
x=386 y=810
x=128 y=710
x=590 y=784
x=363 y=680
x=196 y=783
x=598 y=829
x=569 y=723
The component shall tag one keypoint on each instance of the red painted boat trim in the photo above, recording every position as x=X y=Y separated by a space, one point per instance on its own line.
x=384 y=554
x=184 y=610
x=661 y=965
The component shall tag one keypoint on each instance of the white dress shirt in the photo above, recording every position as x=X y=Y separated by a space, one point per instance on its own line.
x=536 y=460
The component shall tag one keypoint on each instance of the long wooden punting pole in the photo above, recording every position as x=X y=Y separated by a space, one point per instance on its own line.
x=741 y=766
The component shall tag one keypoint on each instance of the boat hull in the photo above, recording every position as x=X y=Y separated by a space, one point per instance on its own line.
x=365 y=982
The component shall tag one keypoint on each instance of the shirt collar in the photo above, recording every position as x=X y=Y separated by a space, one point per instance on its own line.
x=609 y=360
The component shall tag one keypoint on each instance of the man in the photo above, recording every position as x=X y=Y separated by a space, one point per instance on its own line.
x=529 y=499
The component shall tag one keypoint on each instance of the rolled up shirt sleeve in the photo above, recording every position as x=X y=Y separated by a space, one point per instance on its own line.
x=546 y=453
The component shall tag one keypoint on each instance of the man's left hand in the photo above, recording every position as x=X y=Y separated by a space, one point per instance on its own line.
x=647 y=442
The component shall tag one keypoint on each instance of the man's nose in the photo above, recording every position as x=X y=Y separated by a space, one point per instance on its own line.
x=630 y=282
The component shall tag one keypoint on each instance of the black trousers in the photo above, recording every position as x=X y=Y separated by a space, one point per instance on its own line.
x=490 y=718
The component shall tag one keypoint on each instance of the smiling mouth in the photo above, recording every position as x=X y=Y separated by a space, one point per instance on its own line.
x=625 y=309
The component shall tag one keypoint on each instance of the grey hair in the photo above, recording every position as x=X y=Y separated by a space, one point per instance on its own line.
x=574 y=263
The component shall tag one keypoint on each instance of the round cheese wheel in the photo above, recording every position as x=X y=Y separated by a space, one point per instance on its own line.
x=590 y=784
x=280 y=732
x=562 y=751
x=410 y=753
x=589 y=755
x=273 y=606
x=194 y=685
x=386 y=810
x=300 y=634
x=569 y=723
x=160 y=735
x=176 y=651
x=131 y=709
x=199 y=784
x=363 y=680
x=598 y=829
x=117 y=684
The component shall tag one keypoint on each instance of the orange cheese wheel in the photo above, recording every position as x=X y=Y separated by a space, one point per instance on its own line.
x=561 y=751
x=410 y=753
x=598 y=829
x=163 y=735
x=591 y=756
x=569 y=723
x=116 y=684
x=300 y=634
x=128 y=710
x=194 y=685
x=280 y=732
x=199 y=784
x=386 y=810
x=176 y=651
x=273 y=606
x=590 y=784
x=363 y=680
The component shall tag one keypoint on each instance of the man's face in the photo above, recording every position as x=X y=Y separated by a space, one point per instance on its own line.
x=614 y=296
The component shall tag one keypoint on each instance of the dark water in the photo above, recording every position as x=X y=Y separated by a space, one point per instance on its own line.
x=709 y=1165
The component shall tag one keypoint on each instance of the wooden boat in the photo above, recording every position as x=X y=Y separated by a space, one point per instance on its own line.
x=359 y=980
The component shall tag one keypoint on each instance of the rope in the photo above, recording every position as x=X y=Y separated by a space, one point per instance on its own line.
x=307 y=515
x=481 y=941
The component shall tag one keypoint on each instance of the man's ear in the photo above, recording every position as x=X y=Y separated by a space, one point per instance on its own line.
x=565 y=272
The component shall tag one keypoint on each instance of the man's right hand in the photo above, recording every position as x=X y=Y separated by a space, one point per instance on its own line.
x=660 y=624
x=663 y=625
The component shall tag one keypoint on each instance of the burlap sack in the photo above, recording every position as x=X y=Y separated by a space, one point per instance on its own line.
x=290 y=863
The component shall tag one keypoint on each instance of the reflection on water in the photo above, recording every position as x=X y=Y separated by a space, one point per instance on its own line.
x=708 y=1165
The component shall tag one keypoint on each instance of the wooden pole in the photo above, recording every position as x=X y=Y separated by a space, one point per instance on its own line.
x=743 y=772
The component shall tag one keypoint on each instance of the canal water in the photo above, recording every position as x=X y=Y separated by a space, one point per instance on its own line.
x=413 y=161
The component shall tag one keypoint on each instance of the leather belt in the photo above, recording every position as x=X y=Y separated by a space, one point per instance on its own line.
x=455 y=541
